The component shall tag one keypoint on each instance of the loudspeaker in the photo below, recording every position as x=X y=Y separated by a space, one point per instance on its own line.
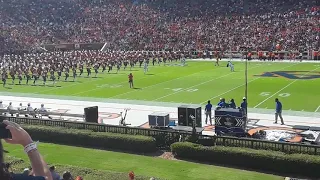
x=91 y=114
x=186 y=114
x=194 y=112
x=159 y=119
x=182 y=115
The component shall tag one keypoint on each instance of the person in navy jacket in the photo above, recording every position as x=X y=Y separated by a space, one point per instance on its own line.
x=278 y=111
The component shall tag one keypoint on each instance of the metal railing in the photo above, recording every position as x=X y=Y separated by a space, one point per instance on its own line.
x=171 y=136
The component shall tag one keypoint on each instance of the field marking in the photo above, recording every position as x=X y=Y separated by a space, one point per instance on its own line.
x=231 y=90
x=283 y=88
x=158 y=84
x=198 y=84
x=317 y=109
x=127 y=82
x=243 y=84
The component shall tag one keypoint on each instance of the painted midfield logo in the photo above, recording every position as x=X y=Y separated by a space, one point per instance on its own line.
x=292 y=74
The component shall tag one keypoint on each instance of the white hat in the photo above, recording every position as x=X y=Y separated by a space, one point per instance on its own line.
x=244 y=98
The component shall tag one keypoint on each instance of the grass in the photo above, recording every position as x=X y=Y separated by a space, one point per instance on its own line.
x=119 y=164
x=197 y=83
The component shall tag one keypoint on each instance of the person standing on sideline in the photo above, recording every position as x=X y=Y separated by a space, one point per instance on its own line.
x=208 y=112
x=244 y=105
x=131 y=80
x=278 y=111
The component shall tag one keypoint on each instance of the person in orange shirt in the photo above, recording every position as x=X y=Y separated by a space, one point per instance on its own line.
x=130 y=80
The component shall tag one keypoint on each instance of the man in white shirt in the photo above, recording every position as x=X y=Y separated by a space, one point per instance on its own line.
x=10 y=108
x=43 y=111
x=31 y=111
x=1 y=105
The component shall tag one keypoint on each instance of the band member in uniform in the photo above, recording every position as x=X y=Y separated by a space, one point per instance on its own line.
x=154 y=60
x=96 y=67
x=52 y=77
x=110 y=67
x=130 y=80
x=103 y=66
x=74 y=73
x=44 y=76
x=20 y=76
x=28 y=77
x=12 y=74
x=118 y=66
x=59 y=72
x=131 y=64
x=66 y=73
x=35 y=76
x=81 y=69
x=4 y=78
x=88 y=70
x=125 y=64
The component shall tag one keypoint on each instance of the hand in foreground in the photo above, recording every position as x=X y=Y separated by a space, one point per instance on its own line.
x=19 y=135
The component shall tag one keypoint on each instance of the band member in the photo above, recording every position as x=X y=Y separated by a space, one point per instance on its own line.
x=20 y=76
x=35 y=76
x=130 y=80
x=154 y=60
x=103 y=66
x=44 y=76
x=4 y=78
x=28 y=77
x=110 y=67
x=88 y=70
x=125 y=64
x=74 y=73
x=59 y=72
x=96 y=67
x=66 y=73
x=52 y=77
x=12 y=74
x=81 y=69
x=131 y=64
x=118 y=66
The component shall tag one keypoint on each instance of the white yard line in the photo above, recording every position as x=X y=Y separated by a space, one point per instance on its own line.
x=283 y=88
x=231 y=90
x=158 y=84
x=126 y=82
x=317 y=109
x=198 y=85
x=242 y=85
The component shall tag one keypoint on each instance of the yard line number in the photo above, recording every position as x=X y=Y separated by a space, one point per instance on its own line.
x=280 y=95
x=109 y=86
x=182 y=89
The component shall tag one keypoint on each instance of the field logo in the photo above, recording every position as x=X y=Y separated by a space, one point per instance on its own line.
x=292 y=74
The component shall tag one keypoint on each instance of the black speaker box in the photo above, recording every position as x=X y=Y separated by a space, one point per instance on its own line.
x=159 y=119
x=91 y=114
x=186 y=114
x=182 y=115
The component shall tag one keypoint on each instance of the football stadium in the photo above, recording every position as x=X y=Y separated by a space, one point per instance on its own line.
x=177 y=90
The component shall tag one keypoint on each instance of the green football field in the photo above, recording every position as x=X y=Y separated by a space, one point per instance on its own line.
x=296 y=84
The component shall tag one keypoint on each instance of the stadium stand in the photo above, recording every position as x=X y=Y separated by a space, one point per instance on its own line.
x=195 y=25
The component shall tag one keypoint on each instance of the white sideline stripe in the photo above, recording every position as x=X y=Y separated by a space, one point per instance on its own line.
x=198 y=84
x=158 y=84
x=283 y=88
x=317 y=109
x=231 y=89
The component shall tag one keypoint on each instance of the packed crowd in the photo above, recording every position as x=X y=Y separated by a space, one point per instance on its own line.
x=157 y=25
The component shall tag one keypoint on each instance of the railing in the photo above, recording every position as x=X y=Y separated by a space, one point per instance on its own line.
x=166 y=137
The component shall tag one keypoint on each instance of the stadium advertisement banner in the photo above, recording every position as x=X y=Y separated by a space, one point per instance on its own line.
x=75 y=46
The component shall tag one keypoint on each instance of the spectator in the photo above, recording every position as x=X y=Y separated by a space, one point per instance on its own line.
x=232 y=104
x=21 y=137
x=55 y=176
x=67 y=176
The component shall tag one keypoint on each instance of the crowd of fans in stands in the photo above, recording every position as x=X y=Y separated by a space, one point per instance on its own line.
x=157 y=25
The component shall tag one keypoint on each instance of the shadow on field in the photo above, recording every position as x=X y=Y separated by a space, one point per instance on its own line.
x=150 y=74
x=136 y=88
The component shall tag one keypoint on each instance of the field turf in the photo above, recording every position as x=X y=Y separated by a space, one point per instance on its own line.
x=295 y=84
x=107 y=165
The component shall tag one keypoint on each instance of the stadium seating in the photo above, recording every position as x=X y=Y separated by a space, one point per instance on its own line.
x=191 y=25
